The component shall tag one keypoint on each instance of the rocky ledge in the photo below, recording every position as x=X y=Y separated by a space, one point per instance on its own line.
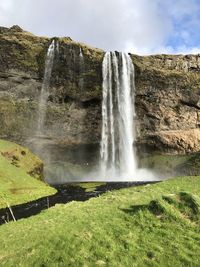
x=167 y=94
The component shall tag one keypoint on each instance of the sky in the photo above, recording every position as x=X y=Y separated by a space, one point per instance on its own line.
x=137 y=26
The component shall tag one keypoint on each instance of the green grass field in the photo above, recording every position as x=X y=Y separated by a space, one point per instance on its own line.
x=19 y=169
x=153 y=225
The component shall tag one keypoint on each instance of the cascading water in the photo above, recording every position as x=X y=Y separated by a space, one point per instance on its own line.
x=42 y=108
x=81 y=71
x=80 y=53
x=37 y=140
x=117 y=149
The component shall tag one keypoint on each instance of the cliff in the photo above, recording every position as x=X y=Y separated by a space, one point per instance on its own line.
x=167 y=94
x=167 y=102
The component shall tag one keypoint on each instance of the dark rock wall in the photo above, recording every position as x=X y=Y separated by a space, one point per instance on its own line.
x=167 y=102
x=74 y=105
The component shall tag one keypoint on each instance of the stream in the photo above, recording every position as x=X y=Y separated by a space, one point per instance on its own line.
x=65 y=194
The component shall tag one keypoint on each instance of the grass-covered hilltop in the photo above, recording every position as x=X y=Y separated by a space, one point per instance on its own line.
x=153 y=225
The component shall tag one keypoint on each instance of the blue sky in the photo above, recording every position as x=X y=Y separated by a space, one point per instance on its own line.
x=185 y=19
x=137 y=26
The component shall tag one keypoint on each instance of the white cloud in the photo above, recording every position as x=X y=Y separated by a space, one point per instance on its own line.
x=164 y=50
x=182 y=50
x=140 y=26
x=6 y=5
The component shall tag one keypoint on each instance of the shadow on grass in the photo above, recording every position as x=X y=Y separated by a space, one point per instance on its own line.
x=182 y=206
x=134 y=209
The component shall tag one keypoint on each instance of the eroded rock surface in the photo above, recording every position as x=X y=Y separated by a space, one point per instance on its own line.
x=167 y=102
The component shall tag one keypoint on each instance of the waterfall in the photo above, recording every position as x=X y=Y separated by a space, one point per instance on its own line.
x=42 y=108
x=80 y=53
x=57 y=47
x=81 y=71
x=118 y=134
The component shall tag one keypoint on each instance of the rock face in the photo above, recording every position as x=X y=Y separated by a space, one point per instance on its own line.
x=74 y=108
x=167 y=100
x=167 y=94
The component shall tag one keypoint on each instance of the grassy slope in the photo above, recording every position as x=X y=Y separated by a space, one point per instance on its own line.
x=21 y=157
x=89 y=187
x=16 y=185
x=116 y=229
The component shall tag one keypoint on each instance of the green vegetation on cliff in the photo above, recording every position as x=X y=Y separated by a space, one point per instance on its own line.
x=153 y=225
x=19 y=169
x=23 y=50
